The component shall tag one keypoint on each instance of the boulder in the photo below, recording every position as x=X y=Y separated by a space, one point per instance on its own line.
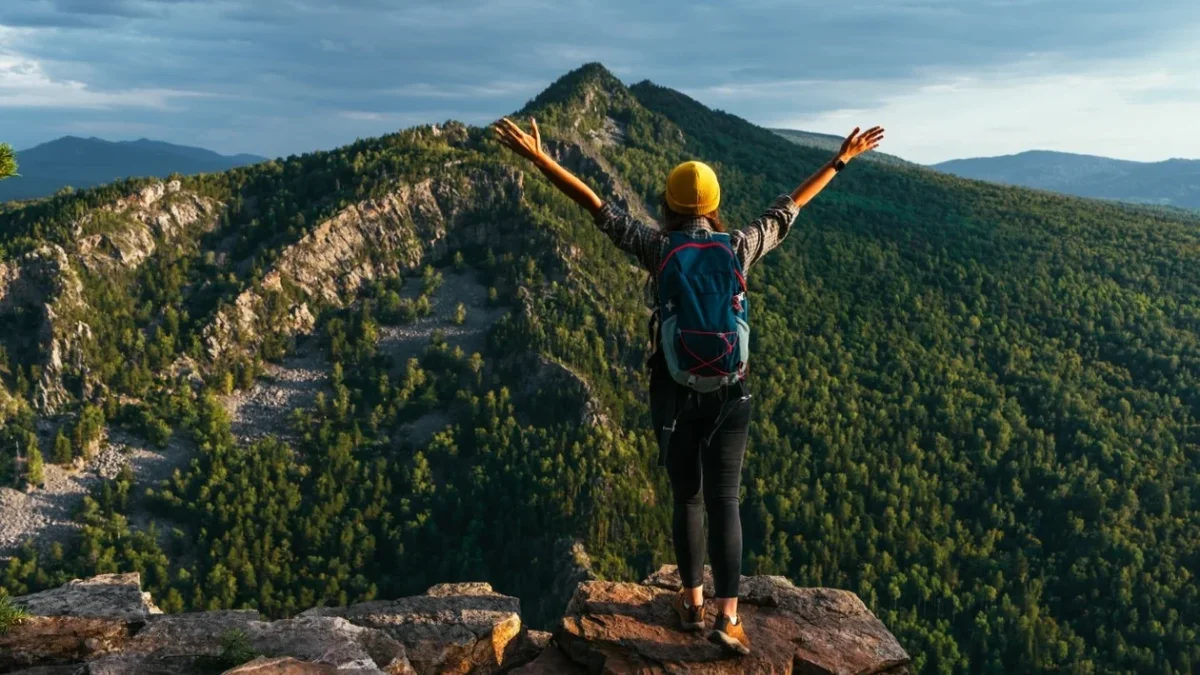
x=539 y=639
x=552 y=661
x=333 y=641
x=188 y=643
x=283 y=666
x=119 y=664
x=77 y=621
x=453 y=629
x=194 y=634
x=623 y=628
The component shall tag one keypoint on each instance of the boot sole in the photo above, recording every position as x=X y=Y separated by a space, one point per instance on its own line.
x=719 y=638
x=692 y=627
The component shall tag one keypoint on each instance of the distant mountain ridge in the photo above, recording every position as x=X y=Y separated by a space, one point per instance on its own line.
x=86 y=162
x=1173 y=182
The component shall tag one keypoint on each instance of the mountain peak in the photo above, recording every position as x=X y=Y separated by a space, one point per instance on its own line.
x=577 y=91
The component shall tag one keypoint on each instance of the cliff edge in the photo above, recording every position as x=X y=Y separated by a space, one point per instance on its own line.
x=107 y=625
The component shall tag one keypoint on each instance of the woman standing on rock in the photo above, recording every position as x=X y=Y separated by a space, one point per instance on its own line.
x=699 y=403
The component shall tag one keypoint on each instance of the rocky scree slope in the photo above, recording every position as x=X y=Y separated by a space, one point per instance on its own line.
x=107 y=625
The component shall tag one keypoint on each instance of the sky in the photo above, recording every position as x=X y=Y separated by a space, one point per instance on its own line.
x=947 y=78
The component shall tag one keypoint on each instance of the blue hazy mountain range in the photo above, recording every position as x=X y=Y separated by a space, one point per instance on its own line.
x=85 y=162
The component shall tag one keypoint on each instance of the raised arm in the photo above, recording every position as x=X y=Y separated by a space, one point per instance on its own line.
x=629 y=234
x=760 y=237
x=530 y=147
x=854 y=145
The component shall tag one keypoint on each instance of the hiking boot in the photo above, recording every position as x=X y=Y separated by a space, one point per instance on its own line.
x=730 y=635
x=692 y=618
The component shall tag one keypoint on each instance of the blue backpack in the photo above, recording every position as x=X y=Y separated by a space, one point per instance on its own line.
x=704 y=329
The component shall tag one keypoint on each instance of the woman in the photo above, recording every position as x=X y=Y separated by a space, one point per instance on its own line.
x=703 y=434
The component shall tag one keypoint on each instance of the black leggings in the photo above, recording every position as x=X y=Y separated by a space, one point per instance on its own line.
x=707 y=475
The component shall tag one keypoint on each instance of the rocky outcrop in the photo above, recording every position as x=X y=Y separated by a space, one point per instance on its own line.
x=583 y=158
x=630 y=628
x=129 y=229
x=368 y=240
x=76 y=622
x=193 y=643
x=453 y=628
x=46 y=283
x=44 y=286
x=107 y=626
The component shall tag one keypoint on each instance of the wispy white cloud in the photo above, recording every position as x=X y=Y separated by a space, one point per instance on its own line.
x=1119 y=109
x=25 y=83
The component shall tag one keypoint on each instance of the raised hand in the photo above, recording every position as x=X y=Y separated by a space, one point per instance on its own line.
x=525 y=145
x=856 y=143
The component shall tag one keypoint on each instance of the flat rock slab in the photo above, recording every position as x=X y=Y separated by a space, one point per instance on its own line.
x=632 y=628
x=117 y=597
x=334 y=641
x=80 y=620
x=180 y=643
x=453 y=629
x=282 y=666
x=193 y=634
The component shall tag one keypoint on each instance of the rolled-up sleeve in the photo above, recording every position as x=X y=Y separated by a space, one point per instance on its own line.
x=631 y=235
x=757 y=239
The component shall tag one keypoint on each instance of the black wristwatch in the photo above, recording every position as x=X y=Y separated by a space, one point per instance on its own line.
x=838 y=164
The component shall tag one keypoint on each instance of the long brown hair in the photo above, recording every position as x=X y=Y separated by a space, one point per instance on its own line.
x=673 y=220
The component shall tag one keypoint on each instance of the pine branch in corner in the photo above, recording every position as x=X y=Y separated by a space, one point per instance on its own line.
x=8 y=161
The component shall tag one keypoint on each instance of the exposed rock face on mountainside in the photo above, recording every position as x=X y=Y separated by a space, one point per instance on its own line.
x=46 y=289
x=107 y=626
x=368 y=240
x=47 y=284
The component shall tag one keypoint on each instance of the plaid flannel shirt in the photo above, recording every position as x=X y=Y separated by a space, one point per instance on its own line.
x=645 y=242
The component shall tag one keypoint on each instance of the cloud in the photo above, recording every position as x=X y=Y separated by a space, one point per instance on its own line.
x=278 y=76
x=24 y=84
x=1117 y=110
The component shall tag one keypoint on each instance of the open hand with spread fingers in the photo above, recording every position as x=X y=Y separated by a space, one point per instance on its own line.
x=514 y=138
x=856 y=143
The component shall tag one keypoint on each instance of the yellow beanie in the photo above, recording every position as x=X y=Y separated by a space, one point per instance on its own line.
x=692 y=188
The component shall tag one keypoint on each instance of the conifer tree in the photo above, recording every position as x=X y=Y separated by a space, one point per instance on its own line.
x=8 y=161
x=62 y=449
x=34 y=466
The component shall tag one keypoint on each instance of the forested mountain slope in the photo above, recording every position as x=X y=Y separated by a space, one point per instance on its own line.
x=975 y=405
